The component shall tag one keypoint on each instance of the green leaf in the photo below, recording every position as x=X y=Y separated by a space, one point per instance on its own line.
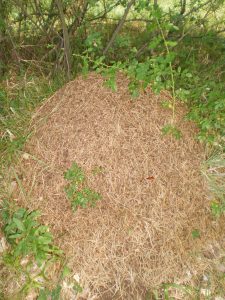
x=155 y=42
x=167 y=104
x=74 y=174
x=85 y=66
x=171 y=130
x=16 y=236
x=171 y=43
x=43 y=295
x=19 y=224
x=44 y=240
x=56 y=293
x=66 y=272
x=77 y=288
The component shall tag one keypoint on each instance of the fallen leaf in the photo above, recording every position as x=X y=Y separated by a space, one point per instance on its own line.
x=150 y=178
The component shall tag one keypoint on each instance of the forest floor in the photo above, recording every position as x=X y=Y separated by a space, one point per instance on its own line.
x=153 y=224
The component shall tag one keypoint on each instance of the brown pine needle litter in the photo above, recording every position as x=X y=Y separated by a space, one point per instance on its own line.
x=153 y=195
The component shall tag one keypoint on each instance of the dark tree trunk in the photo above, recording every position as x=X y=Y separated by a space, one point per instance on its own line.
x=67 y=51
x=119 y=26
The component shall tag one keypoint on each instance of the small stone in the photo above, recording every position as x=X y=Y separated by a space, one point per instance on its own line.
x=67 y=285
x=3 y=245
x=32 y=296
x=212 y=251
x=205 y=292
x=205 y=278
x=11 y=135
x=220 y=268
x=24 y=261
x=26 y=156
x=76 y=277
x=188 y=272
x=13 y=186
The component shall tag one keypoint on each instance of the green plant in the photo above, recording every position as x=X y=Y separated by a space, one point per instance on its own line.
x=97 y=170
x=195 y=234
x=77 y=191
x=27 y=236
x=75 y=174
x=16 y=108
x=217 y=208
x=187 y=290
x=55 y=292
x=172 y=130
x=31 y=250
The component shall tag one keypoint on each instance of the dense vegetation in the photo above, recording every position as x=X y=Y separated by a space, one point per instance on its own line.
x=178 y=46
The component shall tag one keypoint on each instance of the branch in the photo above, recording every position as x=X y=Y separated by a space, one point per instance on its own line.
x=194 y=9
x=207 y=34
x=66 y=40
x=119 y=26
x=132 y=20
x=104 y=13
x=183 y=7
x=77 y=22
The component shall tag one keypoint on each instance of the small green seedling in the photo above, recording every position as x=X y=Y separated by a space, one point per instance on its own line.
x=75 y=174
x=167 y=104
x=217 y=208
x=77 y=288
x=195 y=234
x=171 y=130
x=98 y=170
x=77 y=191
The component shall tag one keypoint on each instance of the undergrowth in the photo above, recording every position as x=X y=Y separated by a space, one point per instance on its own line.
x=28 y=254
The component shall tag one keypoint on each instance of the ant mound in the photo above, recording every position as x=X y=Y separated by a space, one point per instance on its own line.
x=139 y=235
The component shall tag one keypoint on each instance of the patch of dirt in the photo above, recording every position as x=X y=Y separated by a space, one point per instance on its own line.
x=140 y=234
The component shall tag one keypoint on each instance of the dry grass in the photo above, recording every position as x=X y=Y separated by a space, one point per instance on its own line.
x=140 y=234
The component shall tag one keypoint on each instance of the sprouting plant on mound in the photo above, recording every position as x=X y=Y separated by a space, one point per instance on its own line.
x=77 y=192
x=30 y=250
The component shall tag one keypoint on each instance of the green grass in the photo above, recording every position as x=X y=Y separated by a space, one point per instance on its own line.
x=214 y=172
x=18 y=102
x=27 y=239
